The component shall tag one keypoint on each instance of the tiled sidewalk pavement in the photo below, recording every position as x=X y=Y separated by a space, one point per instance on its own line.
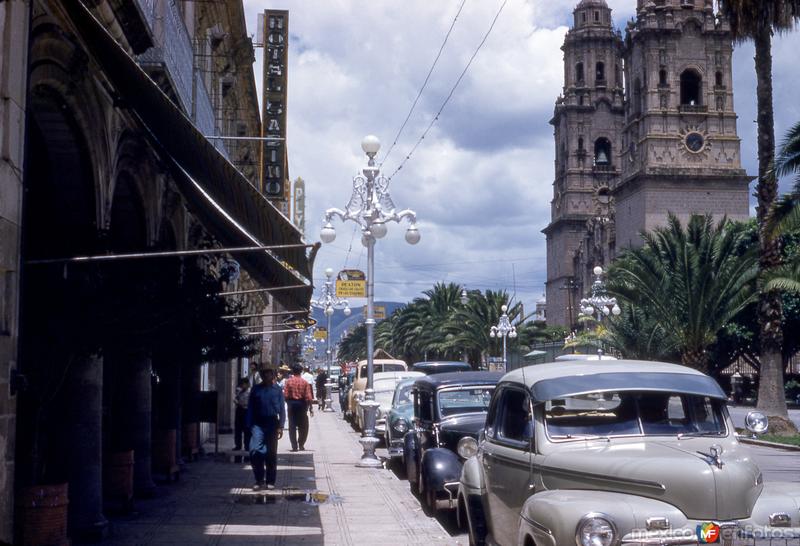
x=212 y=503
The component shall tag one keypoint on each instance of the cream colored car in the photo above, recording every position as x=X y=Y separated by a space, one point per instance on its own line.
x=360 y=381
x=619 y=453
x=383 y=383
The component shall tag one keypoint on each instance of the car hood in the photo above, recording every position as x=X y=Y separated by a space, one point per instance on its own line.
x=676 y=472
x=406 y=411
x=465 y=424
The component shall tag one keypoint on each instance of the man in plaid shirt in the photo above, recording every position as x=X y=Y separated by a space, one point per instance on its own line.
x=298 y=395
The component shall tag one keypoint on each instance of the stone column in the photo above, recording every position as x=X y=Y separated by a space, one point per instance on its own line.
x=83 y=449
x=14 y=25
x=139 y=420
x=224 y=384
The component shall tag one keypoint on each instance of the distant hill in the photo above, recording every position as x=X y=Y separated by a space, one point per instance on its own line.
x=341 y=323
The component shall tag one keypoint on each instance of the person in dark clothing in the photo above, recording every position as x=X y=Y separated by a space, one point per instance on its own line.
x=322 y=391
x=265 y=418
x=299 y=397
x=240 y=401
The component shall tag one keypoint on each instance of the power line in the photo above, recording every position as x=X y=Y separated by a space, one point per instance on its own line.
x=424 y=84
x=453 y=90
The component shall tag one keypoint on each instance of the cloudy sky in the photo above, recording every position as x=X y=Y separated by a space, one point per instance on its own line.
x=481 y=181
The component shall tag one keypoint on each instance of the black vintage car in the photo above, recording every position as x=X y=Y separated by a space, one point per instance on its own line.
x=449 y=412
x=345 y=384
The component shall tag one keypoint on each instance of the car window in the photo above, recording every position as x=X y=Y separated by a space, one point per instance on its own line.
x=402 y=395
x=469 y=400
x=620 y=414
x=384 y=398
x=513 y=420
x=422 y=406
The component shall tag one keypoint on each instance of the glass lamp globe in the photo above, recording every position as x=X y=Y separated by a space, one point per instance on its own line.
x=616 y=310
x=412 y=235
x=491 y=333
x=588 y=310
x=365 y=239
x=329 y=311
x=327 y=233
x=371 y=144
x=606 y=311
x=378 y=230
x=329 y=272
x=347 y=311
x=598 y=270
x=513 y=334
x=504 y=308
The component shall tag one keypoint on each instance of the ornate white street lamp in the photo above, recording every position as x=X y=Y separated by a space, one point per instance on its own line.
x=505 y=330
x=328 y=302
x=599 y=304
x=371 y=207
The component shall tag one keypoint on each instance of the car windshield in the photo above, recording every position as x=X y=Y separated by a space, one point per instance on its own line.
x=402 y=395
x=381 y=367
x=633 y=413
x=466 y=400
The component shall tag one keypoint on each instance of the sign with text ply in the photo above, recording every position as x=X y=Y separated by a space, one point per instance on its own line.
x=351 y=283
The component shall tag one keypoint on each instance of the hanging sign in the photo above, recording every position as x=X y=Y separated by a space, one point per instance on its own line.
x=351 y=283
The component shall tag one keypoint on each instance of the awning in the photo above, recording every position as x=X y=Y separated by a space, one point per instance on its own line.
x=227 y=204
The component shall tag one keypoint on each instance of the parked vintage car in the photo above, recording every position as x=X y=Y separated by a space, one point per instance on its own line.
x=336 y=373
x=383 y=383
x=345 y=384
x=441 y=366
x=618 y=453
x=360 y=381
x=399 y=419
x=449 y=411
x=570 y=357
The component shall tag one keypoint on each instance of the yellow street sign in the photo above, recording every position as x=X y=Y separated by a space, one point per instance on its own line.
x=351 y=283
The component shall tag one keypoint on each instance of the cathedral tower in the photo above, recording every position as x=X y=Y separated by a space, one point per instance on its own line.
x=588 y=120
x=681 y=149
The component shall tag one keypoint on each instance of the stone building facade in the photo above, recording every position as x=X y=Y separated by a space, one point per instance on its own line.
x=87 y=169
x=630 y=151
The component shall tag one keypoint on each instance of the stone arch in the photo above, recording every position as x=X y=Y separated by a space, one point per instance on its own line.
x=691 y=87
x=134 y=160
x=602 y=152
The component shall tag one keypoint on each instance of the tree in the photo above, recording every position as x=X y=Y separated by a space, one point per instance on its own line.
x=690 y=281
x=757 y=20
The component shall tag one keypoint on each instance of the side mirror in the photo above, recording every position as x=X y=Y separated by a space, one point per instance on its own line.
x=756 y=422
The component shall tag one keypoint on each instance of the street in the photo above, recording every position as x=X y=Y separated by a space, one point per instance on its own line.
x=321 y=499
x=738 y=413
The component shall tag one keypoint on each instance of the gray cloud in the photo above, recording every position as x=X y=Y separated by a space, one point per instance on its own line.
x=481 y=182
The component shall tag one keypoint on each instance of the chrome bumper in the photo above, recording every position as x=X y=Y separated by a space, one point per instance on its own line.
x=451 y=502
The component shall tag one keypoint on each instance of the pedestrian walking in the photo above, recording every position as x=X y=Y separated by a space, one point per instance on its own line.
x=240 y=431
x=321 y=380
x=265 y=418
x=299 y=397
x=254 y=377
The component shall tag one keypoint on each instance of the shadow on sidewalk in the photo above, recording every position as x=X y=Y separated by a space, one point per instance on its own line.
x=213 y=503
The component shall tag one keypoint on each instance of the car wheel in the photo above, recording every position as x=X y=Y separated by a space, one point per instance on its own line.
x=430 y=501
x=475 y=526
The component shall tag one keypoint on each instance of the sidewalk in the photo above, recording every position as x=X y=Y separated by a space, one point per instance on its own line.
x=321 y=499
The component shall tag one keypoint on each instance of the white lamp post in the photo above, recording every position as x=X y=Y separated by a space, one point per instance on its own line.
x=328 y=302
x=505 y=330
x=599 y=304
x=371 y=207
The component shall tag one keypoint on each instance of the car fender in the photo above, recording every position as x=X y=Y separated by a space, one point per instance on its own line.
x=775 y=498
x=440 y=466
x=410 y=455
x=551 y=517
x=471 y=481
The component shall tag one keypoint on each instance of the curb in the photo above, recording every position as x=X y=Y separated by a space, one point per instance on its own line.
x=774 y=445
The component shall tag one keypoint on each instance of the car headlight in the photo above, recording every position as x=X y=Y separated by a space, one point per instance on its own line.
x=595 y=530
x=400 y=426
x=467 y=447
x=756 y=422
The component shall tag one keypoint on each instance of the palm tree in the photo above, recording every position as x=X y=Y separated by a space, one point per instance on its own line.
x=354 y=346
x=757 y=20
x=691 y=281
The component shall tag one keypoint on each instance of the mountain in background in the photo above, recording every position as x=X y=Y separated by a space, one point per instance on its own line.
x=341 y=323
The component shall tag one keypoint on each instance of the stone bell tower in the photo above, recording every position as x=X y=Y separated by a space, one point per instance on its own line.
x=681 y=149
x=588 y=121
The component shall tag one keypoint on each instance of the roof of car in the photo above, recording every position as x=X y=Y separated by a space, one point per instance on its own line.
x=560 y=379
x=457 y=378
x=377 y=376
x=382 y=361
x=441 y=364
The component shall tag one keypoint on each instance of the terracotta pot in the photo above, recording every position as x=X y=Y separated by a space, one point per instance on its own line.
x=42 y=515
x=190 y=439
x=118 y=478
x=165 y=459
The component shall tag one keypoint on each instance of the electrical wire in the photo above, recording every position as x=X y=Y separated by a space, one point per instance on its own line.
x=424 y=84
x=452 y=91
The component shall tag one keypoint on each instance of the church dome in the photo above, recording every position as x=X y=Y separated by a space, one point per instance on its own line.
x=592 y=4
